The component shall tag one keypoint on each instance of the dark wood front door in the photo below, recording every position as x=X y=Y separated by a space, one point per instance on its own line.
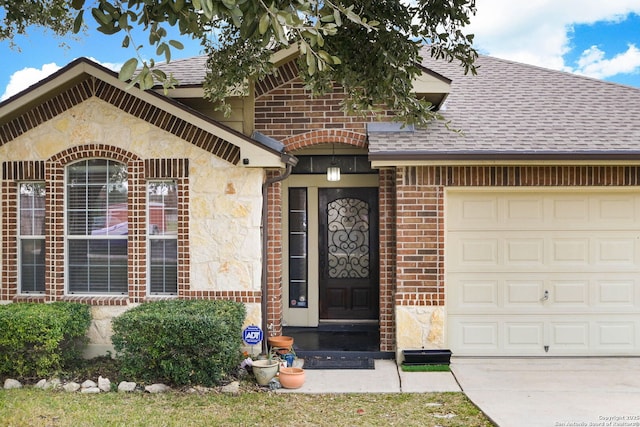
x=349 y=275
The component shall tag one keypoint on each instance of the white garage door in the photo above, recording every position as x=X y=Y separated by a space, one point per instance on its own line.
x=539 y=272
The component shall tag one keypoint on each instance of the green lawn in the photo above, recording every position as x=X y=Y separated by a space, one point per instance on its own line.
x=34 y=407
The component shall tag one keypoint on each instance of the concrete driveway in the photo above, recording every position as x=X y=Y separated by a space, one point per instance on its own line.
x=554 y=392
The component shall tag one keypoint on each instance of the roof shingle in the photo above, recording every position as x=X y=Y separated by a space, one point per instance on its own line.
x=510 y=107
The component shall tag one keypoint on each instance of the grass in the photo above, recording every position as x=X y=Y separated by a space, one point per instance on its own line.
x=34 y=407
x=425 y=368
x=253 y=406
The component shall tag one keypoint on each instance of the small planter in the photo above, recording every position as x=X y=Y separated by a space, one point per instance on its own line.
x=280 y=341
x=426 y=357
x=291 y=377
x=264 y=370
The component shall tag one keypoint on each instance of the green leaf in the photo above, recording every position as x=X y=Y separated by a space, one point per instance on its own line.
x=99 y=16
x=77 y=23
x=77 y=4
x=337 y=17
x=229 y=4
x=176 y=44
x=125 y=42
x=128 y=69
x=147 y=82
x=264 y=23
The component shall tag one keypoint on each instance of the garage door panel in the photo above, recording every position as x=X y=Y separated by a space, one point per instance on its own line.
x=506 y=248
x=479 y=252
x=618 y=209
x=569 y=208
x=555 y=252
x=524 y=251
x=523 y=210
x=523 y=293
x=478 y=294
x=570 y=294
x=615 y=335
x=616 y=293
x=475 y=335
x=615 y=251
x=523 y=336
x=566 y=336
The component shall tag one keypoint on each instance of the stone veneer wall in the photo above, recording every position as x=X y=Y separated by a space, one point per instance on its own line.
x=420 y=222
x=219 y=209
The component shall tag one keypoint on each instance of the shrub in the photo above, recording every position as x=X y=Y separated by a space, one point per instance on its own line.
x=41 y=339
x=180 y=342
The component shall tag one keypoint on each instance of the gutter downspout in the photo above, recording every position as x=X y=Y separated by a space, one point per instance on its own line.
x=290 y=161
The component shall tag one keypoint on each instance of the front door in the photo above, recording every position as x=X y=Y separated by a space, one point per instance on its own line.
x=348 y=253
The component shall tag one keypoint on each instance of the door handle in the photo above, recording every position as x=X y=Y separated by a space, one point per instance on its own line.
x=545 y=297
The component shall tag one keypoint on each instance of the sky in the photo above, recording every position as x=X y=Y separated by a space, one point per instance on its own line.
x=594 y=38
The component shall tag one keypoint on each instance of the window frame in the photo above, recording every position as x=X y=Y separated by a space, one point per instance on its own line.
x=151 y=237
x=20 y=238
x=68 y=236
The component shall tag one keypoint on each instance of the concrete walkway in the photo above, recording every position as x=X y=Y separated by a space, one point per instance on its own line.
x=520 y=392
x=553 y=392
x=387 y=377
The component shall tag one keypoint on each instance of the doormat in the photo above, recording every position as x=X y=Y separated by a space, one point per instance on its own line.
x=318 y=362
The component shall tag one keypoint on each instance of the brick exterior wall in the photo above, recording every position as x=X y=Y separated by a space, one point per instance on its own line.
x=286 y=111
x=420 y=214
x=387 y=230
x=139 y=171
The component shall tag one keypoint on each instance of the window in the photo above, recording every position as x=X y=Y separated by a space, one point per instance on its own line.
x=298 y=237
x=31 y=236
x=162 y=236
x=96 y=227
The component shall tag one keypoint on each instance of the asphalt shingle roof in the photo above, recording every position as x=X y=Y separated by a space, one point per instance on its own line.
x=507 y=108
x=515 y=108
x=188 y=71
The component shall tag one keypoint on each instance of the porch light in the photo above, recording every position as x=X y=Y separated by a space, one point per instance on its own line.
x=333 y=171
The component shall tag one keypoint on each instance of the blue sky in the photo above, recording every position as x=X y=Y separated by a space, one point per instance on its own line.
x=600 y=39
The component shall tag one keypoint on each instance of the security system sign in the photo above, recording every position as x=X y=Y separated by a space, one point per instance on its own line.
x=252 y=335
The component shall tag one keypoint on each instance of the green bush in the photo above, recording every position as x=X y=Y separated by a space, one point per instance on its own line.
x=180 y=342
x=41 y=339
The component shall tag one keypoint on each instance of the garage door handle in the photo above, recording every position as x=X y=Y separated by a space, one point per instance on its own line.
x=545 y=297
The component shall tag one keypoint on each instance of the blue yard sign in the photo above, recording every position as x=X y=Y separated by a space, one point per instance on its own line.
x=252 y=335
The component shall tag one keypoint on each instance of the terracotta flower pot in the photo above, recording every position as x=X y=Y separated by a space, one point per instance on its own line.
x=280 y=341
x=291 y=377
x=264 y=370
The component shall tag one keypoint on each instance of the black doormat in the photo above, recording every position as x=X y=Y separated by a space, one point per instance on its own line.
x=319 y=362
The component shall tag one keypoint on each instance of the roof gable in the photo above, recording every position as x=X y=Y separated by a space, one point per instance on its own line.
x=83 y=79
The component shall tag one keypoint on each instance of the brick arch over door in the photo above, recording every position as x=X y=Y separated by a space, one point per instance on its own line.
x=325 y=136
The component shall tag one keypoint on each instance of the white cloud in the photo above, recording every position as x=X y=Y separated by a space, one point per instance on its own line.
x=593 y=63
x=26 y=77
x=539 y=32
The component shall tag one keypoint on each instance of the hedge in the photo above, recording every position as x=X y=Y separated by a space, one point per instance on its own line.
x=41 y=339
x=180 y=342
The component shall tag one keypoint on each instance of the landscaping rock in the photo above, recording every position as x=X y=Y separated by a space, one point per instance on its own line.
x=53 y=383
x=231 y=388
x=10 y=383
x=157 y=388
x=71 y=387
x=104 y=384
x=126 y=386
x=90 y=390
x=198 y=389
x=89 y=384
x=41 y=384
